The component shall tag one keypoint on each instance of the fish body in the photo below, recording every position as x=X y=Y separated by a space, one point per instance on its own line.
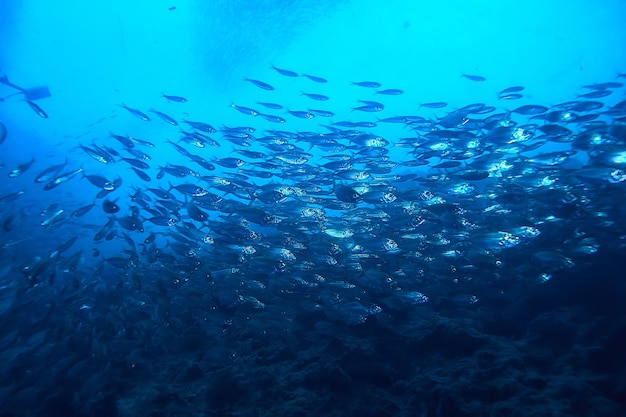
x=262 y=85
x=470 y=77
x=61 y=179
x=137 y=113
x=21 y=168
x=49 y=173
x=98 y=154
x=7 y=198
x=3 y=133
x=315 y=78
x=245 y=110
x=176 y=99
x=285 y=72
x=38 y=110
x=166 y=118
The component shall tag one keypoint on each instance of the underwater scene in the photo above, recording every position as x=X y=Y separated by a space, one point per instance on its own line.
x=312 y=208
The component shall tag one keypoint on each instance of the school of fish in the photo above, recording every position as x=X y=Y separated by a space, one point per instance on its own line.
x=327 y=223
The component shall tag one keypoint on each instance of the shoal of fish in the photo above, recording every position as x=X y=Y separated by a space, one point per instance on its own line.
x=325 y=222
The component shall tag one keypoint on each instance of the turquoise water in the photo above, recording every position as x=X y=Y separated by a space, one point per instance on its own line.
x=424 y=216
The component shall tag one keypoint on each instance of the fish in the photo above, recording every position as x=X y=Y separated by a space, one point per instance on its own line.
x=231 y=237
x=434 y=105
x=285 y=72
x=50 y=172
x=125 y=141
x=81 y=211
x=98 y=154
x=322 y=113
x=38 y=110
x=509 y=90
x=301 y=114
x=317 y=97
x=189 y=190
x=470 y=77
x=176 y=99
x=3 y=133
x=272 y=106
x=201 y=126
x=110 y=207
x=368 y=108
x=315 y=78
x=367 y=84
x=10 y=197
x=245 y=110
x=511 y=96
x=166 y=118
x=272 y=118
x=390 y=92
x=141 y=174
x=136 y=163
x=21 y=168
x=262 y=85
x=60 y=179
x=137 y=113
x=54 y=219
x=99 y=182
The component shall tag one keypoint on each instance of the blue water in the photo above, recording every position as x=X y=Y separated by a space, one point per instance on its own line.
x=297 y=314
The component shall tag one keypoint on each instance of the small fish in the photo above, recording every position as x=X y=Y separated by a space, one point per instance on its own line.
x=230 y=162
x=3 y=132
x=48 y=173
x=166 y=118
x=434 y=105
x=100 y=182
x=142 y=142
x=53 y=219
x=7 y=198
x=177 y=99
x=315 y=78
x=367 y=84
x=245 y=110
x=98 y=154
x=323 y=113
x=136 y=163
x=123 y=140
x=260 y=84
x=369 y=109
x=79 y=212
x=136 y=113
x=110 y=207
x=530 y=109
x=346 y=194
x=272 y=118
x=21 y=168
x=604 y=86
x=372 y=103
x=61 y=179
x=318 y=97
x=511 y=96
x=390 y=92
x=189 y=189
x=285 y=72
x=141 y=174
x=37 y=109
x=272 y=106
x=596 y=94
x=514 y=89
x=473 y=77
x=201 y=126
x=301 y=114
